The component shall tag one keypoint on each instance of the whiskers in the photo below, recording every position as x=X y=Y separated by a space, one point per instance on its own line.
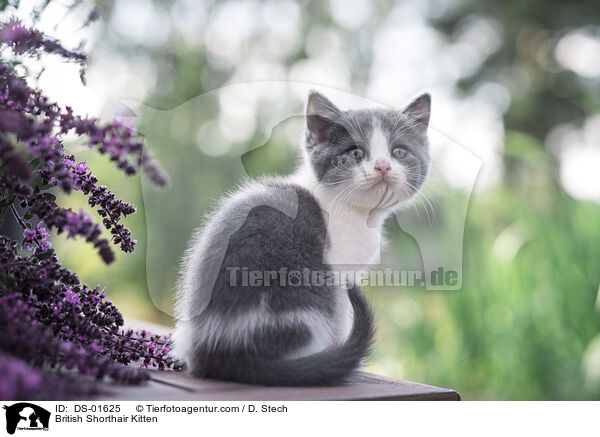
x=346 y=196
x=370 y=192
x=365 y=193
x=419 y=198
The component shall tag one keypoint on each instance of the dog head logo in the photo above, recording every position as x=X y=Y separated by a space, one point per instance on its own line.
x=26 y=416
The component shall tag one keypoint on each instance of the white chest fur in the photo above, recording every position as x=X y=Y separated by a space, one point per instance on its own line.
x=351 y=241
x=354 y=242
x=354 y=239
x=352 y=245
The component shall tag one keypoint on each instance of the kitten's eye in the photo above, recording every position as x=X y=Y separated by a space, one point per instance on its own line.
x=399 y=152
x=357 y=154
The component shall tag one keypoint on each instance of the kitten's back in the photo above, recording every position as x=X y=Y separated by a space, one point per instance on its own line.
x=249 y=333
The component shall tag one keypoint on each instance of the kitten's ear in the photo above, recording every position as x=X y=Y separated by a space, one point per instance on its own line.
x=418 y=110
x=321 y=115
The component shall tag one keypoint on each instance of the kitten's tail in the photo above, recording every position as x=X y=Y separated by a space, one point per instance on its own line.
x=328 y=367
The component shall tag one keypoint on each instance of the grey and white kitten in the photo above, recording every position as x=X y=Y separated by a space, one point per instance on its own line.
x=359 y=166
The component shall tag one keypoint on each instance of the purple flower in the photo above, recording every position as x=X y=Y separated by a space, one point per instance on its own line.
x=14 y=31
x=93 y=15
x=70 y=324
x=25 y=40
x=56 y=322
x=39 y=236
x=15 y=162
x=71 y=297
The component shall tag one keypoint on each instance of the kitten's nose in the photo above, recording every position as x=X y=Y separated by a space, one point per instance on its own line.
x=383 y=166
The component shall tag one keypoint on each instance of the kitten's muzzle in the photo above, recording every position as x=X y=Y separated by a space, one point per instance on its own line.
x=383 y=166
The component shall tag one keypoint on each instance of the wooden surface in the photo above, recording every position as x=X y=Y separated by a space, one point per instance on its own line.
x=179 y=386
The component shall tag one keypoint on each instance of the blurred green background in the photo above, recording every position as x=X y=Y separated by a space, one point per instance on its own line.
x=515 y=82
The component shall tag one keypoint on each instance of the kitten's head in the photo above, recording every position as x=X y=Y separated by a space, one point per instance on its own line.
x=374 y=158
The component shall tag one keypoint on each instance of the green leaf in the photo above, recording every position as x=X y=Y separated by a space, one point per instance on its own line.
x=10 y=196
x=36 y=163
x=39 y=185
x=44 y=255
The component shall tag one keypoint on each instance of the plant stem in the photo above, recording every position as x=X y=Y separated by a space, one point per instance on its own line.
x=12 y=264
x=22 y=223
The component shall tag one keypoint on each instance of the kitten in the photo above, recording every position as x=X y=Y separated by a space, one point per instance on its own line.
x=269 y=329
